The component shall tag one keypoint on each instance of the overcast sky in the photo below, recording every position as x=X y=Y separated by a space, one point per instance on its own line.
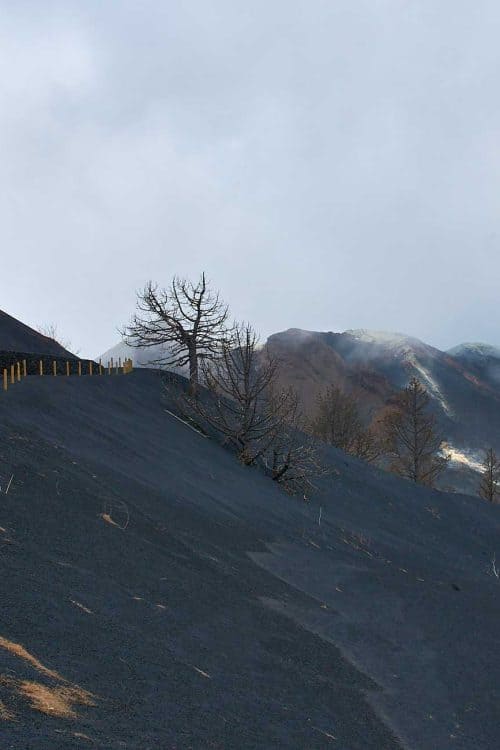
x=330 y=164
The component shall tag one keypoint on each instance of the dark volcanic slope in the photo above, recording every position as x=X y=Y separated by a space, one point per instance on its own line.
x=18 y=337
x=201 y=608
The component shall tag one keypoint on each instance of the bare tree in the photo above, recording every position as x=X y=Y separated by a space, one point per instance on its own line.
x=239 y=383
x=336 y=421
x=261 y=421
x=411 y=438
x=188 y=319
x=489 y=486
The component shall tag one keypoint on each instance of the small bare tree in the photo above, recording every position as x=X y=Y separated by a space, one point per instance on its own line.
x=260 y=421
x=336 y=421
x=489 y=486
x=188 y=319
x=411 y=438
x=239 y=384
x=292 y=458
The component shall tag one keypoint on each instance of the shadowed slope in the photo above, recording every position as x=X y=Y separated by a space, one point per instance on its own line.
x=205 y=608
x=18 y=337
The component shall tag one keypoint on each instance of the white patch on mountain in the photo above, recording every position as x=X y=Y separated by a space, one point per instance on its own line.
x=382 y=338
x=463 y=458
x=428 y=381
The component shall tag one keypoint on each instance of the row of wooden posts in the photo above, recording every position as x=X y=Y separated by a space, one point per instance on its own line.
x=18 y=370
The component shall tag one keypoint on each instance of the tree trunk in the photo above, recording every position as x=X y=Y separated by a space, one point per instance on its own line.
x=193 y=371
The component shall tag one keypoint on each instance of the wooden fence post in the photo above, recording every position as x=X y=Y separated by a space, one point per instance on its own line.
x=100 y=368
x=41 y=367
x=12 y=376
x=18 y=371
x=67 y=369
x=54 y=368
x=79 y=367
x=5 y=379
x=90 y=368
x=109 y=367
x=25 y=369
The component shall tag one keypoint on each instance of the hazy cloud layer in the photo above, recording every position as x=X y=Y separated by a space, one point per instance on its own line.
x=330 y=164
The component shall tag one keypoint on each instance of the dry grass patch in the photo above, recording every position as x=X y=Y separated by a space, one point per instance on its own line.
x=55 y=701
x=17 y=650
x=59 y=699
x=5 y=714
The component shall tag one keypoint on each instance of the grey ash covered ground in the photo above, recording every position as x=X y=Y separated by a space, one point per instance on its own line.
x=171 y=598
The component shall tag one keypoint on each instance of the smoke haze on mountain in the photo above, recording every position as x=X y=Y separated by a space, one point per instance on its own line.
x=330 y=165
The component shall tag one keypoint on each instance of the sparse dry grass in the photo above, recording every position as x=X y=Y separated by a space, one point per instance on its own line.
x=59 y=699
x=17 y=650
x=55 y=701
x=5 y=714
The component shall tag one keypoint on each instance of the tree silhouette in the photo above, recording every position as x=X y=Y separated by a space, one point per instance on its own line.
x=411 y=438
x=489 y=486
x=336 y=421
x=188 y=319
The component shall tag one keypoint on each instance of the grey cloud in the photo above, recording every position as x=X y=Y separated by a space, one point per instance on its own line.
x=331 y=165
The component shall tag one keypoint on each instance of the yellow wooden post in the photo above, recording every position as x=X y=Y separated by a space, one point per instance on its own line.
x=25 y=369
x=18 y=371
x=5 y=379
x=41 y=367
x=90 y=367
x=54 y=368
x=12 y=376
x=79 y=367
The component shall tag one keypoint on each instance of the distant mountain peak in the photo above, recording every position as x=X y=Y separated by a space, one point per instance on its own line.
x=475 y=350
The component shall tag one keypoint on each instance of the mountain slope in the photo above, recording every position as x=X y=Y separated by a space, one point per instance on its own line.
x=200 y=607
x=374 y=365
x=18 y=337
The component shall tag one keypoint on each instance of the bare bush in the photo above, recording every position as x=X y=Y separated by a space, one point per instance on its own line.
x=292 y=459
